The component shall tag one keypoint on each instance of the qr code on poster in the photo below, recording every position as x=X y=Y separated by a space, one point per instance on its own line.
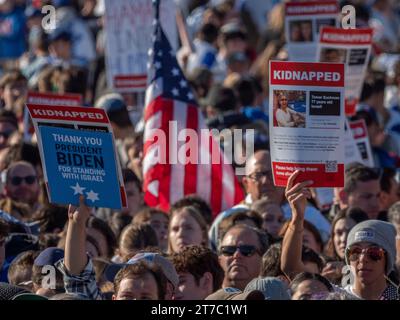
x=331 y=166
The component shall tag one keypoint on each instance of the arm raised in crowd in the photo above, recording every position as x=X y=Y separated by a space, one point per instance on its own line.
x=77 y=267
x=296 y=194
x=75 y=246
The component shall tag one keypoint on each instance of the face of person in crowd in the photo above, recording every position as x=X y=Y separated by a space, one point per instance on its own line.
x=258 y=180
x=387 y=199
x=239 y=257
x=366 y=197
x=184 y=231
x=6 y=130
x=159 y=223
x=143 y=287
x=340 y=232
x=189 y=289
x=61 y=49
x=368 y=262
x=236 y=45
x=22 y=184
x=135 y=154
x=210 y=17
x=13 y=91
x=306 y=31
x=134 y=199
x=272 y=219
x=239 y=67
x=307 y=288
x=310 y=242
x=101 y=241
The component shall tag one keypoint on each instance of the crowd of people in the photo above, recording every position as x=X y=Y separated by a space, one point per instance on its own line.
x=295 y=243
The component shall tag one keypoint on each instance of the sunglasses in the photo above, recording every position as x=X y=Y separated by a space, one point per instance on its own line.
x=373 y=253
x=245 y=250
x=16 y=181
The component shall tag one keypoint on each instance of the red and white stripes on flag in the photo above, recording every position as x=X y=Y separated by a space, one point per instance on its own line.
x=211 y=177
x=171 y=112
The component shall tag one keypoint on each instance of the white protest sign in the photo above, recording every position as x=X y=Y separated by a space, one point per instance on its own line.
x=307 y=107
x=360 y=134
x=351 y=151
x=129 y=34
x=353 y=48
x=303 y=21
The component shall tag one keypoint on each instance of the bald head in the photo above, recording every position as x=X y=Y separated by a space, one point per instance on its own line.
x=258 y=181
x=260 y=157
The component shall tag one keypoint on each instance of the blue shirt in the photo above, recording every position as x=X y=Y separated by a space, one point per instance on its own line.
x=12 y=34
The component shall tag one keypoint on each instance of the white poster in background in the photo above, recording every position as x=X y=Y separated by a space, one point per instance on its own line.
x=303 y=21
x=351 y=151
x=360 y=134
x=353 y=48
x=129 y=29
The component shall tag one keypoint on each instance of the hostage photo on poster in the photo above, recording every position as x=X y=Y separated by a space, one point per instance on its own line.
x=303 y=21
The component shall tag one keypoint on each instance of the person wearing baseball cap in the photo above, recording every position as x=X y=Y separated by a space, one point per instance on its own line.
x=235 y=294
x=371 y=255
x=43 y=264
x=272 y=288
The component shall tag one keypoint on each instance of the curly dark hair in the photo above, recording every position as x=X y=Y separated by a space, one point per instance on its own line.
x=198 y=260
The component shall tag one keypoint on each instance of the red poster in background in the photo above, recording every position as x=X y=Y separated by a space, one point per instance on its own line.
x=51 y=99
x=68 y=99
x=306 y=8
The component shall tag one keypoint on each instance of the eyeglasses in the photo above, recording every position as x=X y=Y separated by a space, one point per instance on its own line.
x=16 y=181
x=260 y=175
x=245 y=250
x=373 y=253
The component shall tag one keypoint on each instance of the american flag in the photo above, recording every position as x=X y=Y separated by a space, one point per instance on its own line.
x=169 y=98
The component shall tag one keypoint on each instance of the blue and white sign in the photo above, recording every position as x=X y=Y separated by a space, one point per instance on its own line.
x=80 y=163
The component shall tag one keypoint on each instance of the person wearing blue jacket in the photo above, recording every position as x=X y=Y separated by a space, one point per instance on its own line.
x=12 y=31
